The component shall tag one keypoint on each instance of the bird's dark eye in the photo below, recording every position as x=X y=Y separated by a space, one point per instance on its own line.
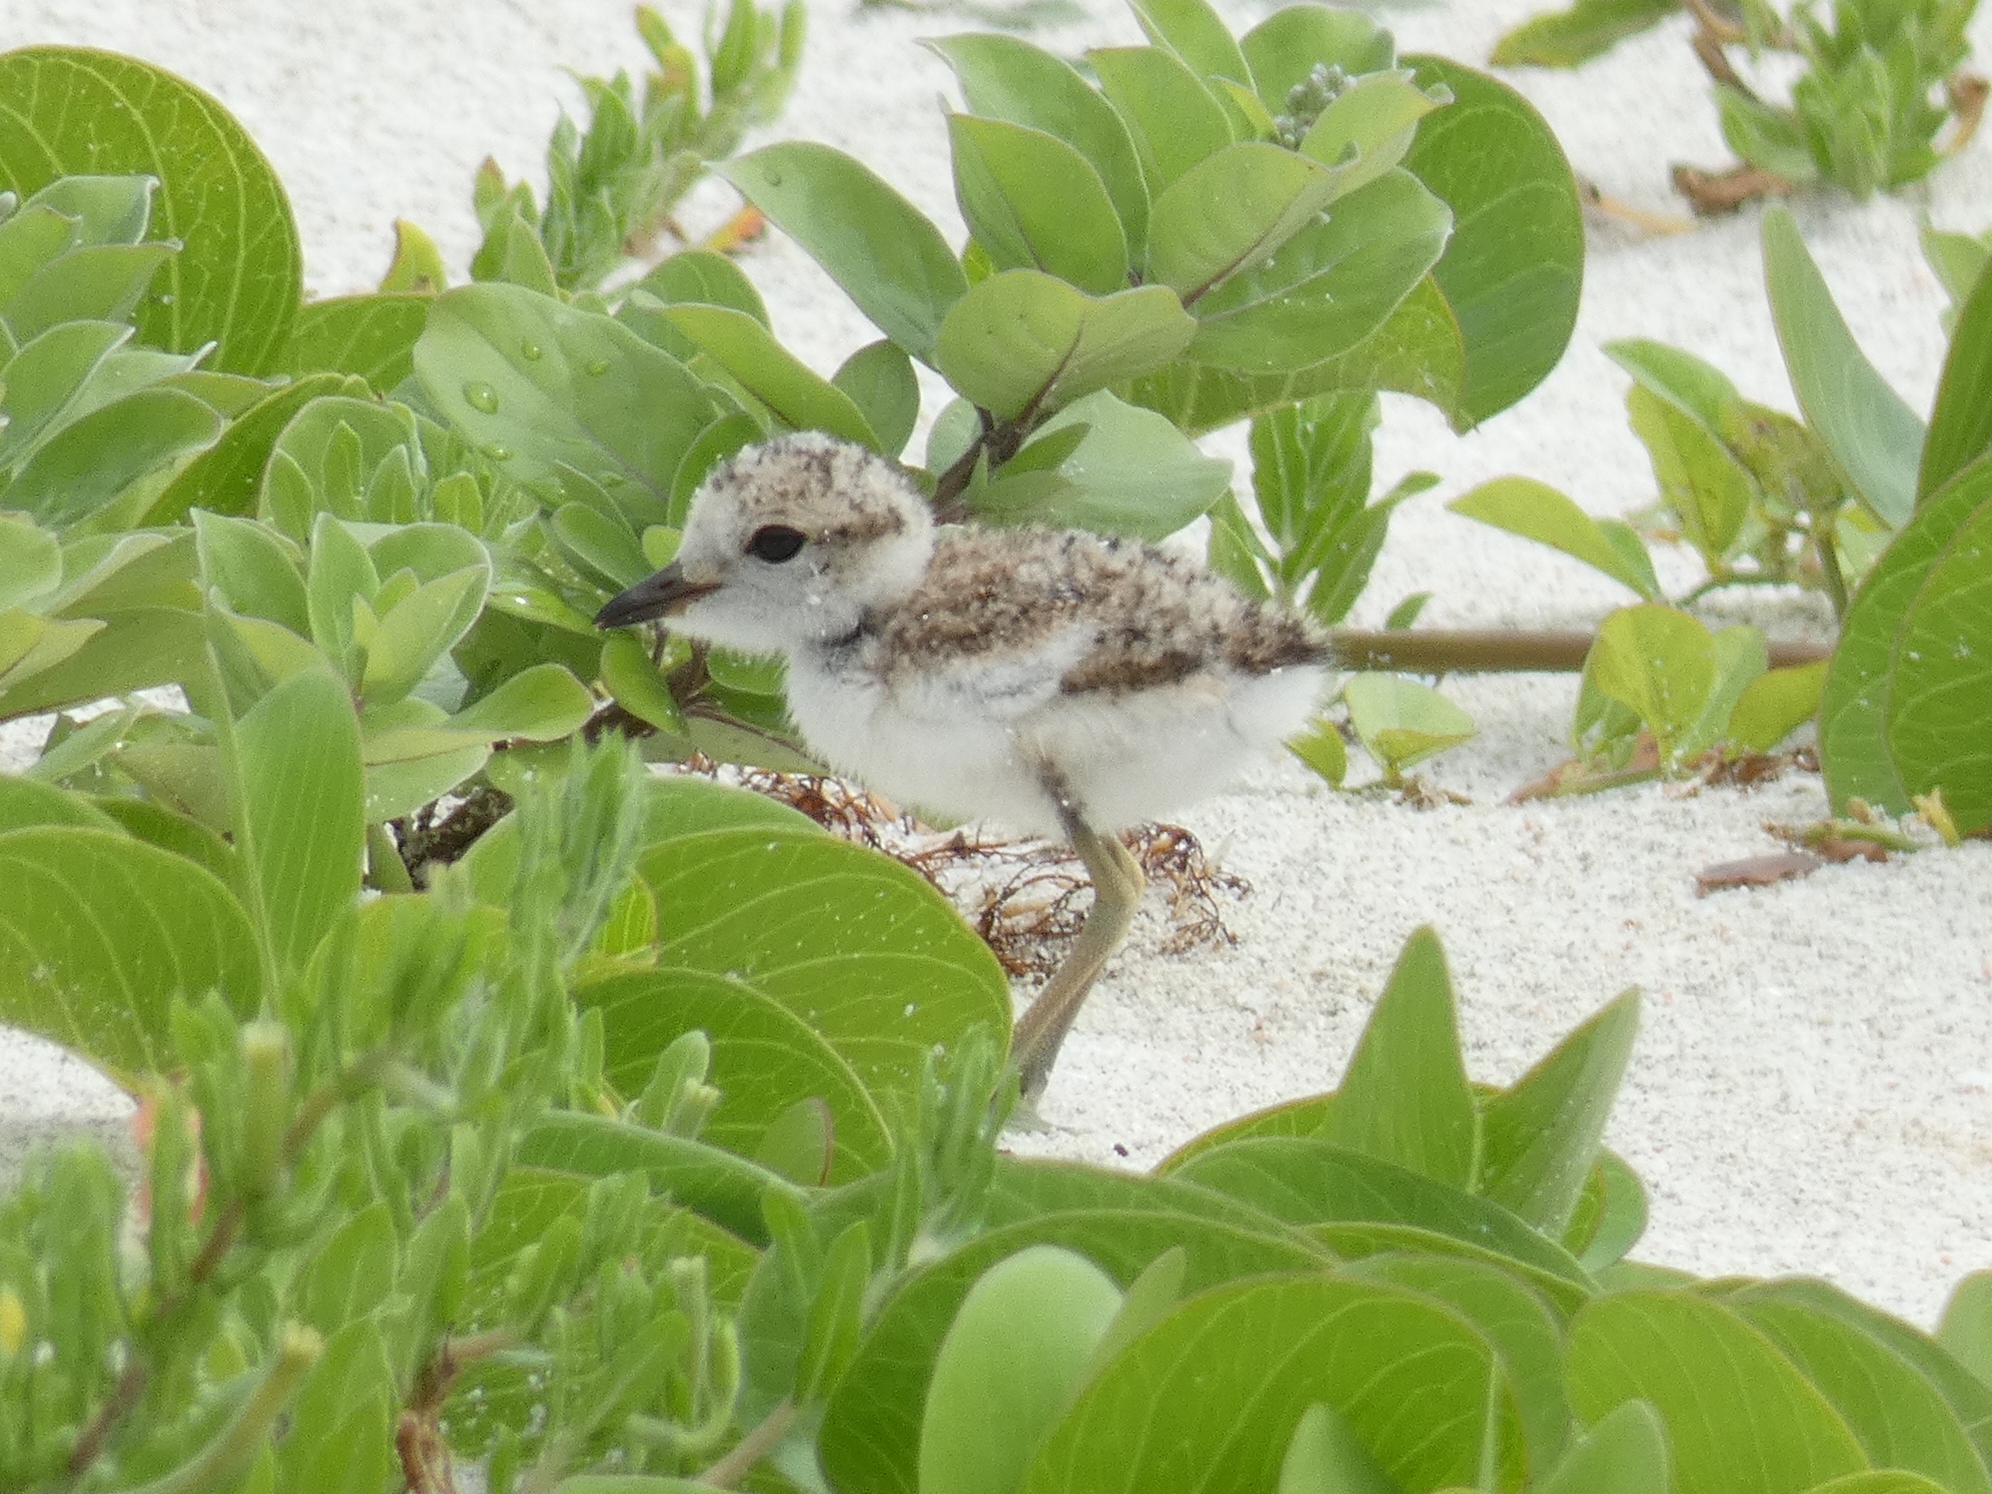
x=775 y=543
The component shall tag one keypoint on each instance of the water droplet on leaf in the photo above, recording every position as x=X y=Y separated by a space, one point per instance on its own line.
x=481 y=396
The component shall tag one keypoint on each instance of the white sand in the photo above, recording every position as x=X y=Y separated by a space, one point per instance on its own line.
x=1812 y=1090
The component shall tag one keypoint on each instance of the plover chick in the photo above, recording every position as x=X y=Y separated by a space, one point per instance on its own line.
x=1054 y=681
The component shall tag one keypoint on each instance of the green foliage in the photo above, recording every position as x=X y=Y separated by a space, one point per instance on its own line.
x=612 y=185
x=1864 y=113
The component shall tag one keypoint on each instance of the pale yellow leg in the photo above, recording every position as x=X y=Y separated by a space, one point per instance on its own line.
x=1117 y=885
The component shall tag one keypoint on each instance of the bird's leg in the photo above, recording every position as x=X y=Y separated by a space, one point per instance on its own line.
x=1117 y=884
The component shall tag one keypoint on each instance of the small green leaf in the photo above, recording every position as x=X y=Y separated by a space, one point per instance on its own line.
x=237 y=279
x=1776 y=704
x=86 y=465
x=228 y=476
x=30 y=561
x=1741 y=658
x=1404 y=1097
x=704 y=276
x=1540 y=1137
x=1401 y=722
x=888 y=258
x=1022 y=340
x=1961 y=423
x=1706 y=487
x=1170 y=114
x=1326 y=1457
x=632 y=679
x=1873 y=435
x=1131 y=472
x=801 y=399
x=1660 y=664
x=1005 y=77
x=1371 y=122
x=1569 y=38
x=1232 y=210
x=1330 y=286
x=1536 y=511
x=416 y=631
x=299 y=824
x=1321 y=747
x=1010 y=1364
x=879 y=379
x=1624 y=1453
x=1034 y=202
x=100 y=283
x=1197 y=34
x=1283 y=48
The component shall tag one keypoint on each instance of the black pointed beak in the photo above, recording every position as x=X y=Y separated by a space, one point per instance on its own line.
x=665 y=594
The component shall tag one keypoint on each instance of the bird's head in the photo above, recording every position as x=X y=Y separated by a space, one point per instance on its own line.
x=789 y=543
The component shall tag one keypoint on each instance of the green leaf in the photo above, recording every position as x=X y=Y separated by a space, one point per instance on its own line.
x=1876 y=438
x=1882 y=1481
x=228 y=476
x=417 y=630
x=1611 y=1216
x=1022 y=340
x=547 y=384
x=371 y=337
x=1536 y=511
x=1711 y=492
x=1899 y=1417
x=1961 y=423
x=1589 y=28
x=1540 y=1137
x=1401 y=722
x=91 y=461
x=1011 y=1362
x=1514 y=266
x=1776 y=704
x=1741 y=658
x=1326 y=1457
x=879 y=379
x=1404 y=1097
x=342 y=1282
x=765 y=1059
x=1211 y=1396
x=875 y=960
x=800 y=399
x=100 y=934
x=706 y=277
x=25 y=802
x=1966 y=1329
x=871 y=1431
x=46 y=381
x=1321 y=747
x=143 y=647
x=237 y=279
x=1197 y=34
x=1330 y=286
x=1006 y=78
x=1283 y=48
x=100 y=283
x=30 y=561
x=1131 y=472
x=888 y=258
x=1034 y=202
x=1660 y=664
x=1370 y=125
x=1764 y=135
x=1231 y=210
x=299 y=824
x=1904 y=709
x=1171 y=116
x=1359 y=1205
x=1739 y=1416
x=725 y=1188
x=632 y=679
x=1625 y=1453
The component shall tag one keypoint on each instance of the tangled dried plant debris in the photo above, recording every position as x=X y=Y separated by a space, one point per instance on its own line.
x=1026 y=898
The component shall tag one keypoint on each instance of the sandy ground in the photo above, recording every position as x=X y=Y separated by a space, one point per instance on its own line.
x=1812 y=1090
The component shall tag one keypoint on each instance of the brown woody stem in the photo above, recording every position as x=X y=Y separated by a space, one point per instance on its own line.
x=1497 y=650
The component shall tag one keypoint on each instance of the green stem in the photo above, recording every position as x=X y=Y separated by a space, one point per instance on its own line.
x=1496 y=650
x=1829 y=569
x=749 y=1450
x=226 y=1458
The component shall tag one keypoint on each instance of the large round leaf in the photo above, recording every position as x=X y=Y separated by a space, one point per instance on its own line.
x=861 y=948
x=764 y=1059
x=236 y=282
x=1209 y=1398
x=99 y=933
x=871 y=1432
x=1740 y=1418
